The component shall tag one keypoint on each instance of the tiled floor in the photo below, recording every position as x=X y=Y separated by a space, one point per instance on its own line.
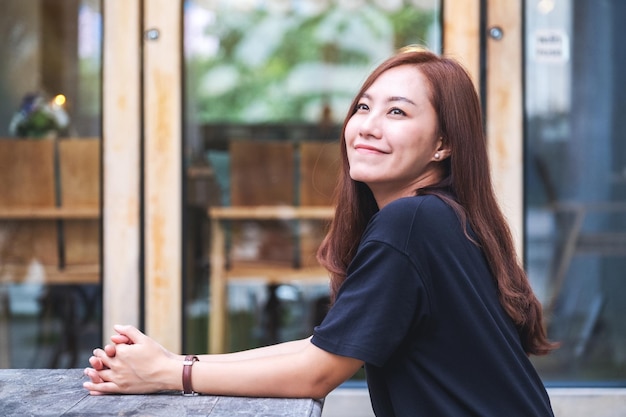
x=348 y=402
x=566 y=402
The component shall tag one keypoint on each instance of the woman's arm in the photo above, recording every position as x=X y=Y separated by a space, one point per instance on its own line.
x=272 y=350
x=280 y=348
x=292 y=369
x=307 y=373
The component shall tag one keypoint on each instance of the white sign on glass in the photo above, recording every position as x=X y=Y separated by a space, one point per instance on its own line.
x=550 y=45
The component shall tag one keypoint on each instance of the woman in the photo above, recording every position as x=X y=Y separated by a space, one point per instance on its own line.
x=427 y=291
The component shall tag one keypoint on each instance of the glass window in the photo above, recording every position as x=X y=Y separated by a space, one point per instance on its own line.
x=576 y=184
x=268 y=84
x=49 y=182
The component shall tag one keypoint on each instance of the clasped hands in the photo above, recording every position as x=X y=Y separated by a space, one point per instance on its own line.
x=133 y=364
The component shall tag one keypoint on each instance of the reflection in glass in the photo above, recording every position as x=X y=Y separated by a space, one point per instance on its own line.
x=576 y=185
x=49 y=182
x=275 y=78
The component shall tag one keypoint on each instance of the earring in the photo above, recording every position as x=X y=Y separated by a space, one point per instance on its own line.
x=437 y=156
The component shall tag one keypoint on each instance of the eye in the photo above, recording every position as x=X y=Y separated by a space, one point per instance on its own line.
x=397 y=112
x=361 y=107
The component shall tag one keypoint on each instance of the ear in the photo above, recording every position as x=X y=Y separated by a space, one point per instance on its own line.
x=443 y=150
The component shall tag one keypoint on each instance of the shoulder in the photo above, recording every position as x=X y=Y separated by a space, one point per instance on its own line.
x=412 y=221
x=424 y=203
x=418 y=210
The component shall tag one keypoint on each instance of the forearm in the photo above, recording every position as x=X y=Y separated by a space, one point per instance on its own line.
x=262 y=352
x=274 y=376
x=306 y=372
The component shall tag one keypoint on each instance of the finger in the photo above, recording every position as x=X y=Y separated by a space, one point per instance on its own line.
x=103 y=357
x=98 y=352
x=120 y=339
x=93 y=375
x=96 y=363
x=132 y=333
x=110 y=350
x=101 y=388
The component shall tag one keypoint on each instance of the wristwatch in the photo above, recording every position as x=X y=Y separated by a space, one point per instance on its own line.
x=187 y=364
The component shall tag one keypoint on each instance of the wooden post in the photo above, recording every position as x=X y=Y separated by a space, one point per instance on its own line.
x=121 y=161
x=504 y=109
x=461 y=34
x=163 y=171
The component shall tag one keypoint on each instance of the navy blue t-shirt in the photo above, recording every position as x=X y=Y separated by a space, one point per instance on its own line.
x=420 y=308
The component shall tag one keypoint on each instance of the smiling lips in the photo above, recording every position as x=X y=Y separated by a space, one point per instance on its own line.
x=367 y=149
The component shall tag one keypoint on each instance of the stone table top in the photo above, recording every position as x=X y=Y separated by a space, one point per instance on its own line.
x=59 y=392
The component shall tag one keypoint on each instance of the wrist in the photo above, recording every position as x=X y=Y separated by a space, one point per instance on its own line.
x=167 y=378
x=187 y=371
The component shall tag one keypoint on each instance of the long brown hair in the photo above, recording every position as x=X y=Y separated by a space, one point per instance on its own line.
x=466 y=186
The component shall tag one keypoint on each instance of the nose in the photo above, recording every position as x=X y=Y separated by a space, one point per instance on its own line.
x=370 y=126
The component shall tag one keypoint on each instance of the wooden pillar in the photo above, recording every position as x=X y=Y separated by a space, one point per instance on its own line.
x=461 y=34
x=504 y=109
x=163 y=171
x=121 y=161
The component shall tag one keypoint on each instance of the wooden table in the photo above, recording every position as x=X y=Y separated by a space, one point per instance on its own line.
x=59 y=392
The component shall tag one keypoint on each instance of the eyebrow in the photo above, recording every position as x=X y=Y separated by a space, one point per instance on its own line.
x=392 y=99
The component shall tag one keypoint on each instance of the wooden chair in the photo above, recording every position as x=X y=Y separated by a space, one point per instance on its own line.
x=26 y=185
x=319 y=170
x=49 y=216
x=50 y=208
x=263 y=193
x=261 y=175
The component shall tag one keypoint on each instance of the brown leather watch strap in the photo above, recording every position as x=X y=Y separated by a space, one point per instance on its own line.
x=187 y=364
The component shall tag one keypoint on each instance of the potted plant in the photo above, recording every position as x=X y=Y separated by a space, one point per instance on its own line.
x=38 y=117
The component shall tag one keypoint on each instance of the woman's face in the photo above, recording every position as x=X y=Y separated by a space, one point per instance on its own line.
x=392 y=139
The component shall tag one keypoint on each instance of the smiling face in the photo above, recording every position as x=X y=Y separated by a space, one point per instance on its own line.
x=392 y=140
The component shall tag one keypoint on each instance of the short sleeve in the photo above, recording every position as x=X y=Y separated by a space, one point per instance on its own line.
x=382 y=299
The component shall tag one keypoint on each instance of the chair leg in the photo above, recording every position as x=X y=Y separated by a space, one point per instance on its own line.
x=59 y=302
x=5 y=329
x=272 y=316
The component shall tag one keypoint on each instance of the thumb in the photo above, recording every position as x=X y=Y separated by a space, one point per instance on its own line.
x=130 y=332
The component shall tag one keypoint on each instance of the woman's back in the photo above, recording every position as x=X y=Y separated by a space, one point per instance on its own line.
x=420 y=307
